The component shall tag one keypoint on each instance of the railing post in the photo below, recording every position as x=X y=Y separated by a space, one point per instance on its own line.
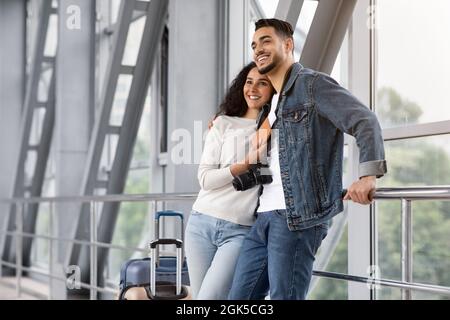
x=19 y=231
x=373 y=249
x=50 y=253
x=151 y=217
x=93 y=251
x=406 y=253
x=156 y=228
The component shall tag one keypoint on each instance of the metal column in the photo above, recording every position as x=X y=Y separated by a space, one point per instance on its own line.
x=326 y=34
x=406 y=252
x=12 y=91
x=75 y=107
x=361 y=228
x=289 y=10
x=32 y=158
x=155 y=13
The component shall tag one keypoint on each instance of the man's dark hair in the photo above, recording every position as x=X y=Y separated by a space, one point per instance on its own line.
x=234 y=103
x=282 y=28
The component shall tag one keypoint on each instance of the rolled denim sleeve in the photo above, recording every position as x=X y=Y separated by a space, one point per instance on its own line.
x=351 y=116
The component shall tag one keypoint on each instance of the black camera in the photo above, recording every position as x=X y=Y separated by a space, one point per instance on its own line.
x=251 y=178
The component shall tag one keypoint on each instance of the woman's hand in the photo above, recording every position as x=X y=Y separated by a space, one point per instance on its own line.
x=258 y=155
x=210 y=123
x=253 y=157
x=262 y=135
x=258 y=150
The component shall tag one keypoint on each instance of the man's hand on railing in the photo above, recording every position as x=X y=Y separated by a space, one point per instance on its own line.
x=361 y=191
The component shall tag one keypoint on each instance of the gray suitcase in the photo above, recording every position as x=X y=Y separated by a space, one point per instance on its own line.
x=159 y=290
x=136 y=272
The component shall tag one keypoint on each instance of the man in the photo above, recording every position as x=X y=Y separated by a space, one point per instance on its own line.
x=310 y=113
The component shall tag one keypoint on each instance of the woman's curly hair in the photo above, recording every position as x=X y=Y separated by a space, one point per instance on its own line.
x=234 y=103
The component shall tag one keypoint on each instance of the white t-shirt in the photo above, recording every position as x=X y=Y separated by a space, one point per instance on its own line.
x=272 y=197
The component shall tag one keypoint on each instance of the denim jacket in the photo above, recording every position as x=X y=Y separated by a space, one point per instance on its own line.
x=313 y=113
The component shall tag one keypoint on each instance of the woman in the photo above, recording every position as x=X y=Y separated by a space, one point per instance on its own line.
x=221 y=216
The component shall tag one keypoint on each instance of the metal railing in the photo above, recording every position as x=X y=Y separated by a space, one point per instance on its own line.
x=406 y=195
x=93 y=201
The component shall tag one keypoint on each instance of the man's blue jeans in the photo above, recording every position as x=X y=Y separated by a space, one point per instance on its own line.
x=272 y=257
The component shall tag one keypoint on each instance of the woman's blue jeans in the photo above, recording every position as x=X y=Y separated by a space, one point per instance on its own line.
x=212 y=248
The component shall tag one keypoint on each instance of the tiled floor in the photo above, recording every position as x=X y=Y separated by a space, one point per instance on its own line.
x=8 y=290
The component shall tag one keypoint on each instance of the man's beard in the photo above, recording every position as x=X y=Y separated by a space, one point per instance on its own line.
x=270 y=66
x=267 y=68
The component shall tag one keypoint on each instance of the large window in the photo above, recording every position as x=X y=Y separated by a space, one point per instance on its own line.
x=133 y=220
x=413 y=162
x=413 y=43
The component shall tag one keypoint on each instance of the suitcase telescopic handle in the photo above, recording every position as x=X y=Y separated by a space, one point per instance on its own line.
x=153 y=245
x=168 y=213
x=157 y=242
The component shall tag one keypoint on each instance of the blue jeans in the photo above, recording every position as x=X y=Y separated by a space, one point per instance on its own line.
x=212 y=249
x=276 y=258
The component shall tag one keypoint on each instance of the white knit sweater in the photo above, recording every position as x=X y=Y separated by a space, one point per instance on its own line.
x=227 y=143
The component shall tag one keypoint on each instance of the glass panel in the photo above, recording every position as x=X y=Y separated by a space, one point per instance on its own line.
x=127 y=235
x=141 y=151
x=133 y=222
x=36 y=125
x=108 y=155
x=386 y=293
x=428 y=296
x=431 y=259
x=133 y=43
x=115 y=8
x=138 y=181
x=133 y=225
x=431 y=239
x=30 y=166
x=346 y=164
x=120 y=99
x=340 y=69
x=44 y=82
x=413 y=162
x=412 y=81
x=416 y=162
x=389 y=241
x=331 y=289
x=269 y=7
x=51 y=41
x=303 y=25
x=40 y=247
